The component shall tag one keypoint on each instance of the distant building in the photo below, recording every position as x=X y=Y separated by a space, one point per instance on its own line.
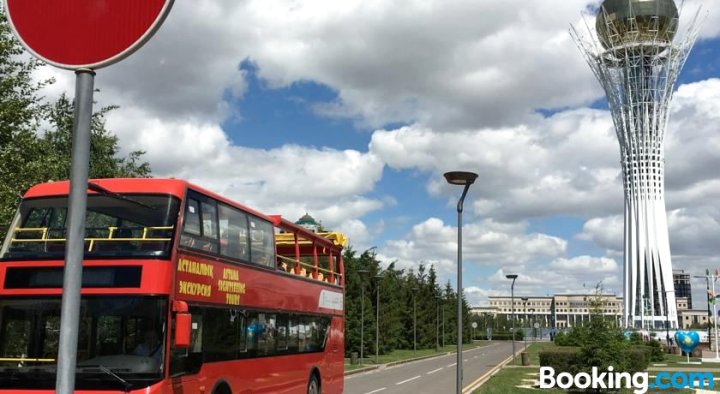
x=558 y=311
x=309 y=223
x=571 y=310
x=693 y=318
x=682 y=286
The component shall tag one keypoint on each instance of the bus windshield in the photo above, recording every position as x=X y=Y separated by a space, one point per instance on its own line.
x=115 y=226
x=120 y=342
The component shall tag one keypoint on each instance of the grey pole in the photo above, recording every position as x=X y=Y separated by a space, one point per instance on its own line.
x=414 y=323
x=512 y=301
x=458 y=379
x=460 y=178
x=437 y=324
x=362 y=313
x=75 y=244
x=362 y=321
x=525 y=311
x=377 y=324
x=443 y=326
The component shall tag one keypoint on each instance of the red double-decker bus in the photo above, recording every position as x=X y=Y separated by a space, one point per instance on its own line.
x=183 y=291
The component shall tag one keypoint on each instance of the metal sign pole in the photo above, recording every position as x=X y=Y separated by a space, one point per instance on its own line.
x=75 y=244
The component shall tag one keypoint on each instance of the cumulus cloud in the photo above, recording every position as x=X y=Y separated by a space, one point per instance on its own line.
x=485 y=243
x=466 y=78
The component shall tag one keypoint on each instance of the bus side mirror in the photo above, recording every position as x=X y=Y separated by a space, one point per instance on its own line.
x=182 y=330
x=183 y=324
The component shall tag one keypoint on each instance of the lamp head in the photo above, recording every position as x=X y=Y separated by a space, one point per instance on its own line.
x=461 y=178
x=511 y=276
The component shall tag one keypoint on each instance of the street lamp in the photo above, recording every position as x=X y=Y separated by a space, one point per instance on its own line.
x=525 y=319
x=512 y=301
x=667 y=319
x=437 y=323
x=414 y=291
x=465 y=179
x=362 y=312
x=532 y=312
x=377 y=322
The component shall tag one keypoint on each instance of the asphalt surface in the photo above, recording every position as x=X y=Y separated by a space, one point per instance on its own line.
x=434 y=375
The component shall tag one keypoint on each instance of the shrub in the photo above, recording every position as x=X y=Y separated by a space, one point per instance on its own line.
x=656 y=351
x=637 y=359
x=507 y=336
x=562 y=359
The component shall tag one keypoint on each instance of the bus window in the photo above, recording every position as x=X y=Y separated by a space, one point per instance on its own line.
x=293 y=333
x=233 y=233
x=224 y=334
x=122 y=225
x=262 y=249
x=281 y=337
x=192 y=217
x=200 y=230
x=266 y=341
x=209 y=218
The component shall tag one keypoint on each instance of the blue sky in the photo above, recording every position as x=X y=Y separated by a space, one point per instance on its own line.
x=352 y=111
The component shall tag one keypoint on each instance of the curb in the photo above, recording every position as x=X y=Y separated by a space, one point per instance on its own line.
x=398 y=362
x=487 y=375
x=363 y=369
x=393 y=363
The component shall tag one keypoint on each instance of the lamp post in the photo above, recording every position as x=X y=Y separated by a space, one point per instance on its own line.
x=442 y=321
x=377 y=322
x=525 y=319
x=667 y=320
x=362 y=312
x=532 y=312
x=512 y=302
x=437 y=323
x=414 y=290
x=707 y=282
x=465 y=179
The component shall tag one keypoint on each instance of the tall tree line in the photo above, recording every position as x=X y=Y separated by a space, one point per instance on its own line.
x=405 y=296
x=36 y=134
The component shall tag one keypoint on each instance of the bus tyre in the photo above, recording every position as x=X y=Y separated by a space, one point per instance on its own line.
x=313 y=385
x=222 y=389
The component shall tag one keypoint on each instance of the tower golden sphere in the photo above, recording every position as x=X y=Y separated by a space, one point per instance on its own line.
x=622 y=22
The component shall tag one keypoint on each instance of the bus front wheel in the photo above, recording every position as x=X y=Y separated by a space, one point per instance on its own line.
x=313 y=385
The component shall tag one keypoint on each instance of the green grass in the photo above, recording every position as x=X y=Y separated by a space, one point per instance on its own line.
x=674 y=360
x=407 y=354
x=505 y=382
x=533 y=351
x=509 y=377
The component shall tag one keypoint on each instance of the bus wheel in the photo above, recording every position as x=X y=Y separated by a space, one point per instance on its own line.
x=313 y=385
x=222 y=389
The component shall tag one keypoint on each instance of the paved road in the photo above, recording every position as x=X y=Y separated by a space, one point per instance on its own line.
x=435 y=375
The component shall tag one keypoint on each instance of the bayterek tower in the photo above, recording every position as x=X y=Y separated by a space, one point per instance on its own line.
x=636 y=56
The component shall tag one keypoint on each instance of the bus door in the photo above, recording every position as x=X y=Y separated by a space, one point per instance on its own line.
x=185 y=364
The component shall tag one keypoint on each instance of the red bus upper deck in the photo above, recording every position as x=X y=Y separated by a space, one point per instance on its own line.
x=259 y=298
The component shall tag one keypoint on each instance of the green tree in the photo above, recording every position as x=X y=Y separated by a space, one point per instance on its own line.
x=20 y=114
x=29 y=155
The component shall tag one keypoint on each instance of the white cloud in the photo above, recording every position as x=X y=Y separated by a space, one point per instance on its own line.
x=465 y=76
x=484 y=244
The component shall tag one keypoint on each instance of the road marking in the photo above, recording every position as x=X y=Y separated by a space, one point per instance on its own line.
x=452 y=365
x=465 y=360
x=406 y=380
x=492 y=371
x=375 y=391
x=434 y=370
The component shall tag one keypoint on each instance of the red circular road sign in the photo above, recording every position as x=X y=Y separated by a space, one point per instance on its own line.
x=76 y=34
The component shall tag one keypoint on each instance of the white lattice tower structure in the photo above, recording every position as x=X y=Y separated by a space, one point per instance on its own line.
x=637 y=58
